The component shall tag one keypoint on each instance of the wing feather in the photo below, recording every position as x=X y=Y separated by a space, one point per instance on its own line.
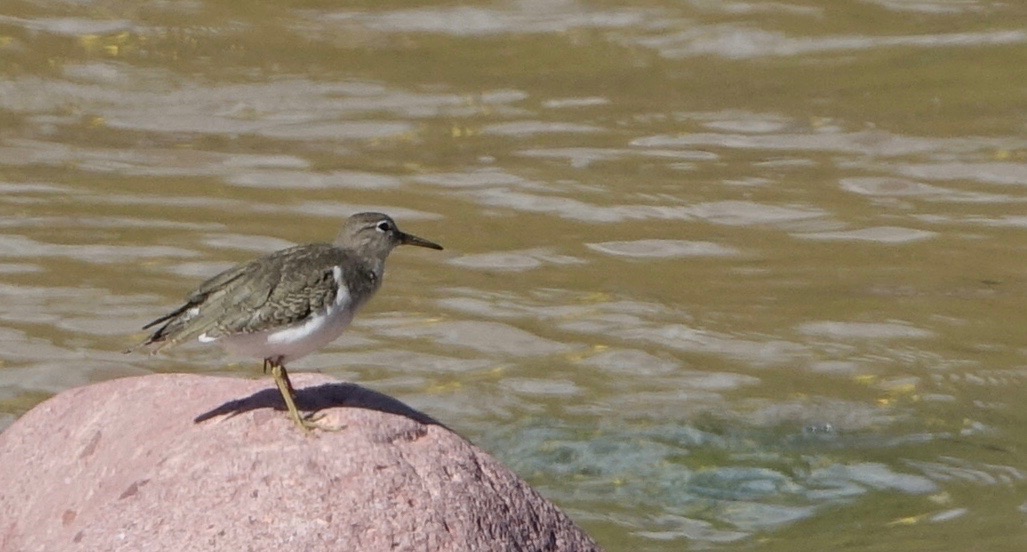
x=255 y=296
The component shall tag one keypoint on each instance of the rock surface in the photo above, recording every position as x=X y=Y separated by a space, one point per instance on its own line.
x=185 y=462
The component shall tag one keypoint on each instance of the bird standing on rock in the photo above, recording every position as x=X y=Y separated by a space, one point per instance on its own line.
x=290 y=303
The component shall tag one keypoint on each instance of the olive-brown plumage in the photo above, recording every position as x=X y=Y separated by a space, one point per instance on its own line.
x=290 y=303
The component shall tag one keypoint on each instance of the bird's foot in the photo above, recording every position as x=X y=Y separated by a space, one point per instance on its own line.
x=306 y=423
x=312 y=421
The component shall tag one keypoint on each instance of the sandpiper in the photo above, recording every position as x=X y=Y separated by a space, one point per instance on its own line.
x=290 y=303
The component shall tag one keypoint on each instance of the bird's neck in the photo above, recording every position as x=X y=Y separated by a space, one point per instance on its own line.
x=377 y=267
x=362 y=278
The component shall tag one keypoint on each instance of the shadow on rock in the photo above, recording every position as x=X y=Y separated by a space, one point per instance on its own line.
x=321 y=397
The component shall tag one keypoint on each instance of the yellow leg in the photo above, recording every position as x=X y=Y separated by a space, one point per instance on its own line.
x=289 y=394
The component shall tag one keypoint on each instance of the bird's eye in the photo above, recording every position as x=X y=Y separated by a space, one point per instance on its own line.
x=384 y=226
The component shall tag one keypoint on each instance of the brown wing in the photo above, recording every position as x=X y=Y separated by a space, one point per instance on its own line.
x=264 y=293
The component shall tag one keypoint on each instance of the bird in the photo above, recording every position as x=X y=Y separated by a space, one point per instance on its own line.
x=288 y=304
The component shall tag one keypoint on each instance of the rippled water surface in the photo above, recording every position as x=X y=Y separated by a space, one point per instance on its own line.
x=718 y=275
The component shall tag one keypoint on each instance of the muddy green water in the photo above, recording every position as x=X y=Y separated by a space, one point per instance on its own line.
x=719 y=275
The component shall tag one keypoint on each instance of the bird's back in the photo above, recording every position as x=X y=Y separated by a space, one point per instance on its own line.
x=275 y=291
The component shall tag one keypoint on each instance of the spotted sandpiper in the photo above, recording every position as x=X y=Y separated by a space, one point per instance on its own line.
x=290 y=303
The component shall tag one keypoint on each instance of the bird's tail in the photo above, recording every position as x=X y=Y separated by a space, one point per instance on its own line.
x=164 y=335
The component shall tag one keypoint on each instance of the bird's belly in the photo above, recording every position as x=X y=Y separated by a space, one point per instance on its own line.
x=291 y=342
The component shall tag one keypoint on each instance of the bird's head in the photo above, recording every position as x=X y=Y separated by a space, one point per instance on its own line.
x=376 y=235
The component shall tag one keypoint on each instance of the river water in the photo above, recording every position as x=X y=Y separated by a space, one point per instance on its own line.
x=718 y=275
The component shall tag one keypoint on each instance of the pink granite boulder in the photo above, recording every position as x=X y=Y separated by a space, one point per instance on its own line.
x=185 y=462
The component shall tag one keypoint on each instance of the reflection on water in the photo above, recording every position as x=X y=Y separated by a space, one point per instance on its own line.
x=716 y=272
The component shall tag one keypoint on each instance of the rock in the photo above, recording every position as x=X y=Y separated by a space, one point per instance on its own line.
x=186 y=462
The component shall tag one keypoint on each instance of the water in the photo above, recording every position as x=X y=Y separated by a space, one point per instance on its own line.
x=717 y=274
